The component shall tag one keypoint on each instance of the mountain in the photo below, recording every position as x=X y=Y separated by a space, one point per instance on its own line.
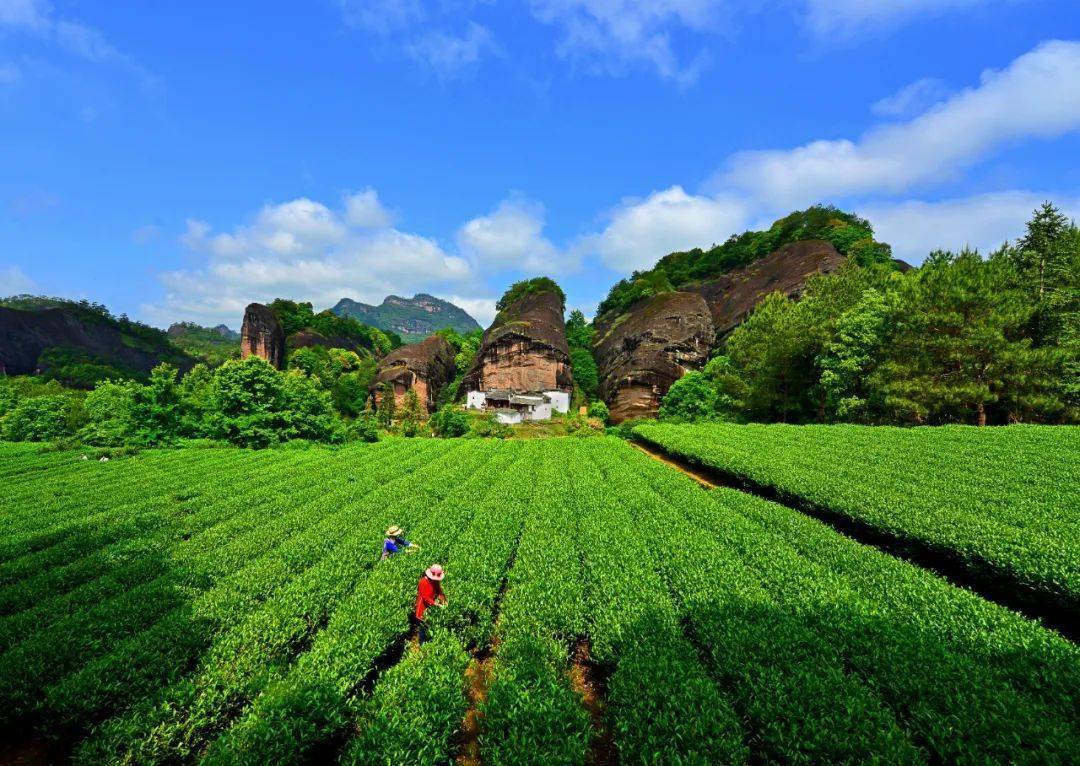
x=412 y=318
x=211 y=344
x=79 y=343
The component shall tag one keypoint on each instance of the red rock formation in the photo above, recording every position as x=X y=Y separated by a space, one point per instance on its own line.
x=423 y=367
x=524 y=349
x=641 y=353
x=262 y=335
x=732 y=297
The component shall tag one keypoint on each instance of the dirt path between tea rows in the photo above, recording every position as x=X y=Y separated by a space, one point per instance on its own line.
x=942 y=563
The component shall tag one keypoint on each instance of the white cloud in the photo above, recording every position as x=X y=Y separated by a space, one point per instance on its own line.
x=144 y=235
x=511 y=237
x=983 y=221
x=642 y=231
x=382 y=16
x=480 y=309
x=912 y=98
x=31 y=14
x=86 y=42
x=364 y=210
x=304 y=250
x=616 y=33
x=13 y=281
x=1036 y=96
x=451 y=55
x=846 y=18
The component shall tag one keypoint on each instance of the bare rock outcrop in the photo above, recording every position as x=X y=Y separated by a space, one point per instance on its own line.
x=642 y=352
x=422 y=367
x=26 y=334
x=262 y=335
x=732 y=297
x=524 y=349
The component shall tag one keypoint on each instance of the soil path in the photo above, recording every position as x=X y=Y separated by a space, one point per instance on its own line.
x=591 y=685
x=478 y=678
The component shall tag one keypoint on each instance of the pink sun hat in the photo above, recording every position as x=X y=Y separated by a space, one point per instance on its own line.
x=434 y=572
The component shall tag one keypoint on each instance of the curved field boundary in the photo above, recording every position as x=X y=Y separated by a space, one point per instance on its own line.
x=1031 y=566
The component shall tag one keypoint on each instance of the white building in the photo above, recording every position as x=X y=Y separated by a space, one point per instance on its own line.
x=507 y=417
x=531 y=406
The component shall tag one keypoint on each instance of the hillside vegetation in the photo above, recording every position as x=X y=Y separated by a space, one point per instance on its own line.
x=850 y=235
x=411 y=318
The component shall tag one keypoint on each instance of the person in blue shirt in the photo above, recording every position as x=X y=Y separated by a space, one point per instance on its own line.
x=395 y=542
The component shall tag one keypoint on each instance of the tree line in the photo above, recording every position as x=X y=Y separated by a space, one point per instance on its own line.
x=961 y=339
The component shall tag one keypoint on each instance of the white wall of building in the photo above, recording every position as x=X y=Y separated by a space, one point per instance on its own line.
x=508 y=418
x=475 y=400
x=560 y=400
x=540 y=412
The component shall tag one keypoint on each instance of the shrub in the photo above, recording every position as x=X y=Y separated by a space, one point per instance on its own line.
x=600 y=411
x=365 y=428
x=450 y=422
x=691 y=397
x=43 y=418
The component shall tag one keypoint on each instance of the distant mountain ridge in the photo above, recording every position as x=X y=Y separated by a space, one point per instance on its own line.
x=412 y=318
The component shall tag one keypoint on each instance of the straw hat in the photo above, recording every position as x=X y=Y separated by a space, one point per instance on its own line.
x=395 y=530
x=434 y=572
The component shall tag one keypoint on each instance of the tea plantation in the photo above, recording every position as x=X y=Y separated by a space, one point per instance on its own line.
x=227 y=606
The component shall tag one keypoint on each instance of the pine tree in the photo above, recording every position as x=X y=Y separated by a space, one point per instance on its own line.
x=385 y=410
x=411 y=414
x=960 y=352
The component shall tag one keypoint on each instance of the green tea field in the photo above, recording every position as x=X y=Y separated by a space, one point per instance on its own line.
x=223 y=606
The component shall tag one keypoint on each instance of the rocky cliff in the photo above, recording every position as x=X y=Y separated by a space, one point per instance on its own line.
x=641 y=353
x=524 y=349
x=733 y=296
x=24 y=335
x=262 y=335
x=423 y=367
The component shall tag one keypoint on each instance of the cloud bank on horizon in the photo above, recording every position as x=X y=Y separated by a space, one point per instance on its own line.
x=303 y=247
x=924 y=168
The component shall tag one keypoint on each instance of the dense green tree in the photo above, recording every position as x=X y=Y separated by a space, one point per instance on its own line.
x=579 y=332
x=387 y=405
x=600 y=411
x=293 y=316
x=850 y=355
x=586 y=376
x=411 y=414
x=450 y=422
x=255 y=405
x=156 y=408
x=110 y=420
x=959 y=351
x=43 y=418
x=365 y=428
x=525 y=287
x=691 y=397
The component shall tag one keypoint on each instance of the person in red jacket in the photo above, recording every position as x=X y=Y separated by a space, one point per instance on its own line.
x=429 y=592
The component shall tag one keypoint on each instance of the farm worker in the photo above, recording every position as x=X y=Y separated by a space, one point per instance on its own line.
x=395 y=542
x=428 y=593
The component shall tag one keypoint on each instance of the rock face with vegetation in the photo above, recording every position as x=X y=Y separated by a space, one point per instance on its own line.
x=423 y=367
x=525 y=348
x=65 y=334
x=732 y=296
x=262 y=335
x=642 y=352
x=414 y=319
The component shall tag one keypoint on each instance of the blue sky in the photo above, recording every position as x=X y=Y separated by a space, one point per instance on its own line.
x=179 y=163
